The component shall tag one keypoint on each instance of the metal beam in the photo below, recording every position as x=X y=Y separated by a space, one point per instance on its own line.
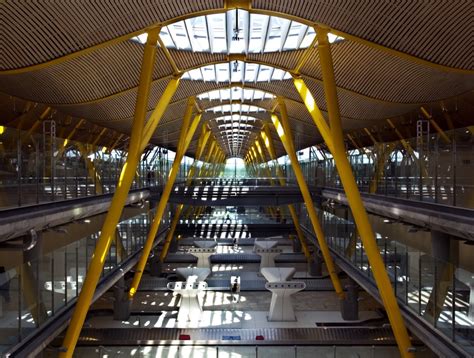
x=268 y=143
x=203 y=138
x=284 y=132
x=187 y=133
x=107 y=235
x=435 y=125
x=382 y=156
x=355 y=202
x=90 y=167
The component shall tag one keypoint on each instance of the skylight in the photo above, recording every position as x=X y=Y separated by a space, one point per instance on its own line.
x=235 y=117
x=237 y=32
x=235 y=107
x=237 y=72
x=236 y=94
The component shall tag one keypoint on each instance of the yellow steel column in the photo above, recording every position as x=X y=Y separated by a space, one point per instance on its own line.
x=187 y=132
x=68 y=138
x=118 y=201
x=205 y=134
x=203 y=171
x=268 y=142
x=386 y=151
x=355 y=202
x=435 y=125
x=96 y=140
x=267 y=172
x=284 y=132
x=115 y=143
x=90 y=167
x=158 y=112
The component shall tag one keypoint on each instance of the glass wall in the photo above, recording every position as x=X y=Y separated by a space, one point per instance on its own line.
x=435 y=171
x=37 y=168
x=52 y=274
x=439 y=292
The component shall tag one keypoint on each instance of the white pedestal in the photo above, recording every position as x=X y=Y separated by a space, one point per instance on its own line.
x=468 y=279
x=278 y=274
x=264 y=244
x=190 y=308
x=281 y=306
x=202 y=255
x=205 y=244
x=267 y=256
x=193 y=274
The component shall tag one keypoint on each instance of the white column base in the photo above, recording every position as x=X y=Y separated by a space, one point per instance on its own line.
x=202 y=256
x=267 y=256
x=281 y=306
x=190 y=308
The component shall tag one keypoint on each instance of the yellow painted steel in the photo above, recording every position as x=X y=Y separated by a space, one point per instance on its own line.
x=382 y=156
x=91 y=169
x=160 y=109
x=435 y=125
x=284 y=132
x=362 y=150
x=36 y=124
x=107 y=235
x=204 y=137
x=115 y=143
x=168 y=56
x=232 y=4
x=187 y=132
x=264 y=170
x=313 y=110
x=355 y=202
x=371 y=136
x=409 y=149
x=304 y=58
x=69 y=137
x=268 y=143
x=96 y=140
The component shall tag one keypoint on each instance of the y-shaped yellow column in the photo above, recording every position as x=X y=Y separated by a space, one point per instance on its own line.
x=187 y=132
x=284 y=132
x=335 y=137
x=120 y=196
x=268 y=143
x=205 y=134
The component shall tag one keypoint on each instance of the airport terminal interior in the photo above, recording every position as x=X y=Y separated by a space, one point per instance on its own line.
x=237 y=178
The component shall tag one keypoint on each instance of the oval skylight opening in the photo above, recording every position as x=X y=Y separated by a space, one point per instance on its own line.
x=236 y=72
x=235 y=94
x=235 y=108
x=237 y=31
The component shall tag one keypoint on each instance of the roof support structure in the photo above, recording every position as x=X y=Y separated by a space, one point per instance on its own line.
x=91 y=169
x=203 y=138
x=232 y=4
x=268 y=143
x=435 y=125
x=188 y=129
x=353 y=195
x=284 y=132
x=107 y=235
x=384 y=152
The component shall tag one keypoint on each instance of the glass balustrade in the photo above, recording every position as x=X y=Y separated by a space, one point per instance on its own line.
x=38 y=282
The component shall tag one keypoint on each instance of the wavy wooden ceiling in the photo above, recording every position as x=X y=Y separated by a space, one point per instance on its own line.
x=374 y=80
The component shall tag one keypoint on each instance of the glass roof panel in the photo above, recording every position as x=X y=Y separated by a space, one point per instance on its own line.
x=236 y=107
x=235 y=117
x=237 y=31
x=238 y=72
x=236 y=94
